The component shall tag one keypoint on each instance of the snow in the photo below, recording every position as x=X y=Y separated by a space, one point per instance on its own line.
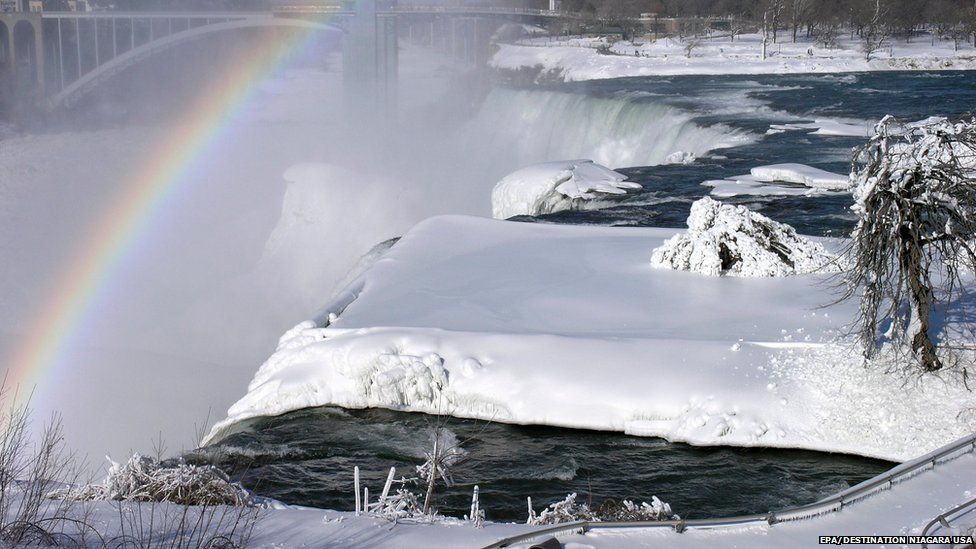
x=443 y=323
x=576 y=59
x=731 y=240
x=802 y=174
x=800 y=179
x=555 y=186
x=827 y=127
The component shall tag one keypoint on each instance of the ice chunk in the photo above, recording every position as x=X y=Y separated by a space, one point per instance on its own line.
x=801 y=173
x=555 y=186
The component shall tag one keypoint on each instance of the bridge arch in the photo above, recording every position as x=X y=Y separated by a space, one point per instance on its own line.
x=89 y=80
x=4 y=45
x=6 y=66
x=24 y=53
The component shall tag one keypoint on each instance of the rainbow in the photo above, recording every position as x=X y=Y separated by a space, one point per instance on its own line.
x=88 y=276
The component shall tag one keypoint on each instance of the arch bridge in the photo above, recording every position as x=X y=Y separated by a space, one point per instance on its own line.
x=54 y=58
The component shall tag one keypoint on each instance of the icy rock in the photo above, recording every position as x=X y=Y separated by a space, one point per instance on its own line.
x=732 y=240
x=680 y=157
x=555 y=186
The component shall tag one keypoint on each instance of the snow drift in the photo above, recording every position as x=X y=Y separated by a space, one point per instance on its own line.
x=723 y=239
x=555 y=186
x=443 y=323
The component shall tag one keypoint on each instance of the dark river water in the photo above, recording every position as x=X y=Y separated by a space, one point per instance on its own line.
x=307 y=457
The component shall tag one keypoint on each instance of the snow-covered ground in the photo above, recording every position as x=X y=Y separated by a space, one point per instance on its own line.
x=443 y=323
x=578 y=59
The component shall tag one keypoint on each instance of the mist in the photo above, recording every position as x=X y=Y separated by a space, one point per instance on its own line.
x=257 y=236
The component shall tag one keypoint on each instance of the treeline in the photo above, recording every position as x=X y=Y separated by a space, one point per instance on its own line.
x=904 y=18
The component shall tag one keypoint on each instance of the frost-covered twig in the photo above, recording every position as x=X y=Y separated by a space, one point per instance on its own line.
x=569 y=510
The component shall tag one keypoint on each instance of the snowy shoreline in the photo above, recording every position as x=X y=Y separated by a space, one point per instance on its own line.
x=441 y=324
x=578 y=59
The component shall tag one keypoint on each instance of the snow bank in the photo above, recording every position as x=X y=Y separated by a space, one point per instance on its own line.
x=520 y=323
x=731 y=240
x=555 y=186
x=799 y=179
x=579 y=59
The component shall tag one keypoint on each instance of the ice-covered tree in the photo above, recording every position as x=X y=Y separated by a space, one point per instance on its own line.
x=912 y=251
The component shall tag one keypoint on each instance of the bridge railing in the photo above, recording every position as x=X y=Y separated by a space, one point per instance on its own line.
x=408 y=8
x=830 y=504
x=153 y=14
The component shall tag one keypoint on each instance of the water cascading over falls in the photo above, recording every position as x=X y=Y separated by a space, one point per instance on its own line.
x=619 y=131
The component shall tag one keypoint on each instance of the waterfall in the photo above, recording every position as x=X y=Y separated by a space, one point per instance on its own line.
x=524 y=127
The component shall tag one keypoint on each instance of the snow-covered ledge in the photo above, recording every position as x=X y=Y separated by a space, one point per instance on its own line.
x=571 y=326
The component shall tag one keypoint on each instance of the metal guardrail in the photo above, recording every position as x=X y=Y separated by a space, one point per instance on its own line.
x=943 y=520
x=830 y=504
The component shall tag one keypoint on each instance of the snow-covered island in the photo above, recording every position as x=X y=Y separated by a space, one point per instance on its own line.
x=586 y=333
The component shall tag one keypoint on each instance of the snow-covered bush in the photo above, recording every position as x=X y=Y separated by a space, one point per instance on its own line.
x=569 y=510
x=555 y=186
x=147 y=479
x=723 y=239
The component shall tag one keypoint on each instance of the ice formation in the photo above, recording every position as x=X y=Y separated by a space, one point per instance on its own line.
x=732 y=240
x=555 y=186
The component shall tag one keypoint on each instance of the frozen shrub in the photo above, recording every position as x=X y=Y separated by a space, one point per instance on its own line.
x=147 y=479
x=731 y=240
x=627 y=510
x=569 y=510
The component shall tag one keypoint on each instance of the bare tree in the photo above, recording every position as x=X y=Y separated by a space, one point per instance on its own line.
x=770 y=19
x=875 y=32
x=827 y=31
x=915 y=197
x=798 y=12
